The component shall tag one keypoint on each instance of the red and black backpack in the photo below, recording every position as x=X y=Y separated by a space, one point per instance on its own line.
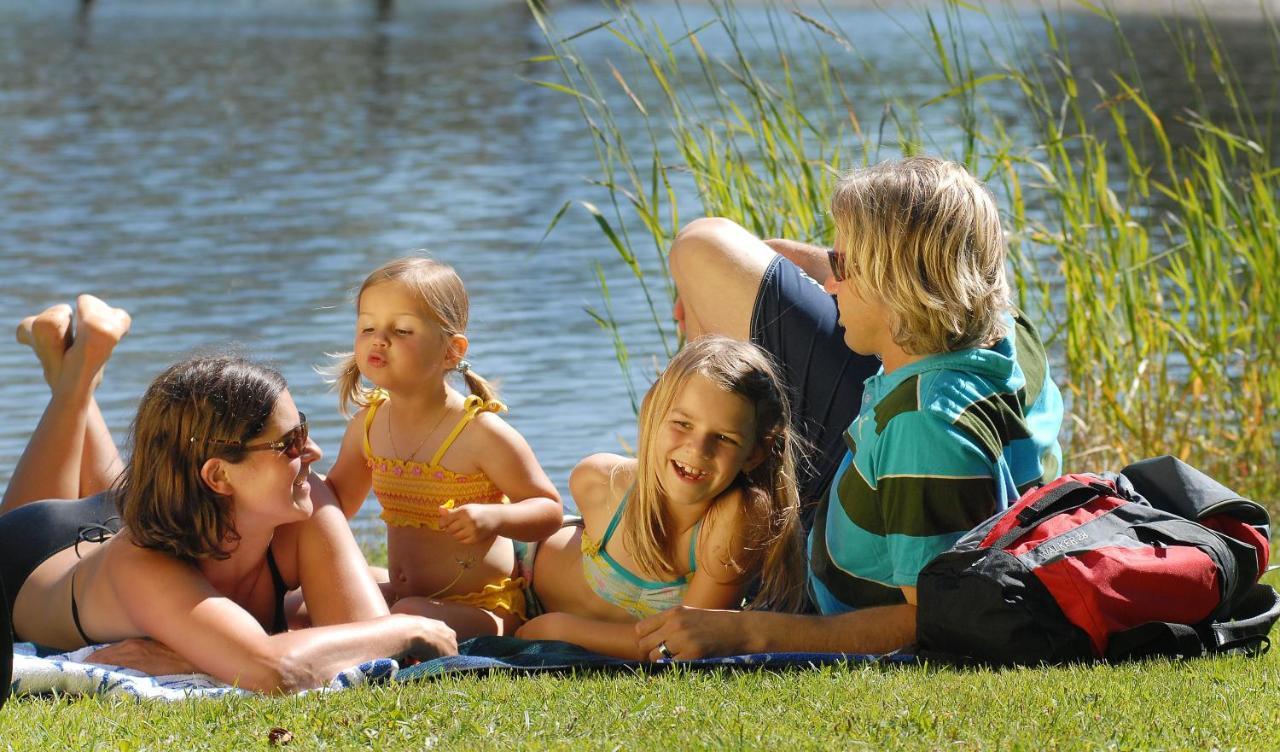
x=1159 y=560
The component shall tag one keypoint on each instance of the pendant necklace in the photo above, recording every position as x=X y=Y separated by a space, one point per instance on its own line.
x=396 y=453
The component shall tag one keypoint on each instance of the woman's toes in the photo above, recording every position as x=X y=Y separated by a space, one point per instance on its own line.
x=100 y=321
x=49 y=335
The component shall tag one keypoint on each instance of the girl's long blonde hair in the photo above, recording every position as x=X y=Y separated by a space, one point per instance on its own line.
x=773 y=545
x=442 y=298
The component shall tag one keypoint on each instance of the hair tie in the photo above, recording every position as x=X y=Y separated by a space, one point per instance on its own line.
x=462 y=367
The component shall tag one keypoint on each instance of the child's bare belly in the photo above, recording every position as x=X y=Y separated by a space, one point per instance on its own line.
x=432 y=564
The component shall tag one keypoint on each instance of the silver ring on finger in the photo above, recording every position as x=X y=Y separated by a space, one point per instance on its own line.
x=664 y=650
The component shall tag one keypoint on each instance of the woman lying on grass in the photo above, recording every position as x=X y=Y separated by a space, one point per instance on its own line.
x=193 y=544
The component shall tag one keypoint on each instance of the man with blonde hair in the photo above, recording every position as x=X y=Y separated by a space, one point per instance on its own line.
x=926 y=399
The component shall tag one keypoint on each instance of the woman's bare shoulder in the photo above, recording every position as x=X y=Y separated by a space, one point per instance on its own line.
x=147 y=582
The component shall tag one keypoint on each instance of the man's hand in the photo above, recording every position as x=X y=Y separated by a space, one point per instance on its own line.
x=142 y=654
x=690 y=633
x=471 y=523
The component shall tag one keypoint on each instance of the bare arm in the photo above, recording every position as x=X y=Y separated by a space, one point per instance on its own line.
x=718 y=582
x=171 y=602
x=696 y=633
x=811 y=259
x=349 y=478
x=617 y=639
x=535 y=511
x=320 y=554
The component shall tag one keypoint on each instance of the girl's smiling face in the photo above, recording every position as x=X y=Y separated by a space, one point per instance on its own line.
x=397 y=344
x=706 y=440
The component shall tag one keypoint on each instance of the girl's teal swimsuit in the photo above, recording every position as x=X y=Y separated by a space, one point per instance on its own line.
x=613 y=583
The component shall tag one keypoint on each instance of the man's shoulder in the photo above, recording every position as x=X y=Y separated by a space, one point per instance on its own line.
x=923 y=399
x=920 y=428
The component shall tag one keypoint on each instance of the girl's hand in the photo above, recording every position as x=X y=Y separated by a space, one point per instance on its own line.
x=148 y=656
x=471 y=523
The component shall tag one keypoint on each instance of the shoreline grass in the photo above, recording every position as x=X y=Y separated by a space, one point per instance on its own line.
x=1148 y=246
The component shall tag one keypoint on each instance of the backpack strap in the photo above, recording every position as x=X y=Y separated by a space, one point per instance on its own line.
x=1249 y=623
x=1244 y=631
x=1154 y=639
x=1068 y=496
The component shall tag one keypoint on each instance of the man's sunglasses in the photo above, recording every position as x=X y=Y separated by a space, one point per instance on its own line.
x=837 y=265
x=292 y=444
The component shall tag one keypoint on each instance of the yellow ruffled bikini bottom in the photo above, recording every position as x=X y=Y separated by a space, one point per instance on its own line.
x=504 y=596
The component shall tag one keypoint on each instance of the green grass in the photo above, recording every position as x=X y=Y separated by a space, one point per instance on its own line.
x=1203 y=704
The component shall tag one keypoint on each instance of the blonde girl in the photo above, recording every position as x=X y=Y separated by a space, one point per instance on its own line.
x=455 y=482
x=708 y=505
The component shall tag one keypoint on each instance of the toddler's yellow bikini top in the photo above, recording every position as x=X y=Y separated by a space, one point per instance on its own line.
x=411 y=493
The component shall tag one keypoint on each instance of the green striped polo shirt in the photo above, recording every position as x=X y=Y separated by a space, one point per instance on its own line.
x=938 y=446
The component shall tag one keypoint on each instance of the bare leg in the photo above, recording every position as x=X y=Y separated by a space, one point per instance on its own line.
x=49 y=335
x=466 y=621
x=100 y=462
x=717 y=266
x=50 y=466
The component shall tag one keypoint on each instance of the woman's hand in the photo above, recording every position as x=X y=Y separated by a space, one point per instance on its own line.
x=142 y=654
x=435 y=640
x=471 y=523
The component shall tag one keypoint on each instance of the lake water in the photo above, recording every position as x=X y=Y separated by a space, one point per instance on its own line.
x=229 y=171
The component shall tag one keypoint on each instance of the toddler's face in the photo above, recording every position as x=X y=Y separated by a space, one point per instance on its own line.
x=706 y=439
x=397 y=346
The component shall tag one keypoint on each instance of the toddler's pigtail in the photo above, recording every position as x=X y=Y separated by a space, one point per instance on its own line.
x=477 y=384
x=344 y=377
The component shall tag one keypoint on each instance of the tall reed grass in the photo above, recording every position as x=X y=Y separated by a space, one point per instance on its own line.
x=1147 y=245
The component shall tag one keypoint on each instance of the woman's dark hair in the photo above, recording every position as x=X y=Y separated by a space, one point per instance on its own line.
x=162 y=499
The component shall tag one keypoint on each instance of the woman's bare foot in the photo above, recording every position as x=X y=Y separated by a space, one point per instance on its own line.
x=99 y=328
x=49 y=334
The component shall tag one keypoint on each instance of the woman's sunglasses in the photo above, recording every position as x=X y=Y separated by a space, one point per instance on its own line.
x=292 y=444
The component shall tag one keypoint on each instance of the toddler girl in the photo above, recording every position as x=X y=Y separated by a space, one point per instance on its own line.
x=455 y=482
x=708 y=506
